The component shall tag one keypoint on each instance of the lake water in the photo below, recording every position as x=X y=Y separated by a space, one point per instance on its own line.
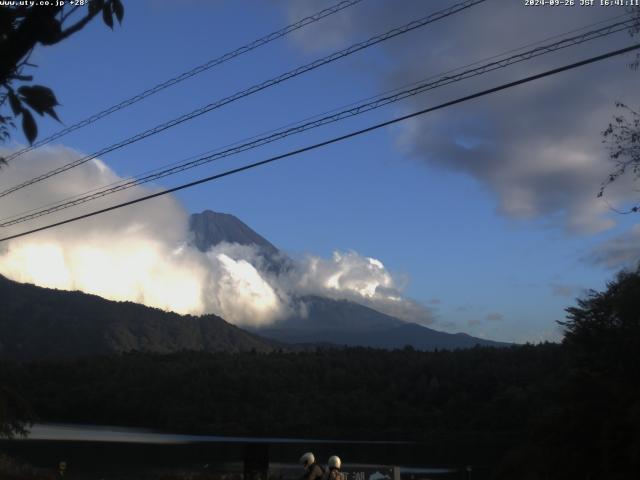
x=93 y=451
x=98 y=433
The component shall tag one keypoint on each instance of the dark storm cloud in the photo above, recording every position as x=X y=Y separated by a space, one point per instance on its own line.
x=536 y=147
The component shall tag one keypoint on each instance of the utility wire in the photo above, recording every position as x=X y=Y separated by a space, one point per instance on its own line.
x=442 y=73
x=256 y=88
x=332 y=140
x=195 y=161
x=157 y=170
x=318 y=115
x=190 y=73
x=316 y=122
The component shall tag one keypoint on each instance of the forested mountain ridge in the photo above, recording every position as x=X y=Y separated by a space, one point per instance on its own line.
x=42 y=323
x=39 y=323
x=349 y=392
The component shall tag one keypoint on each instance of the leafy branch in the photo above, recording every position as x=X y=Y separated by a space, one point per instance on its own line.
x=623 y=137
x=22 y=28
x=623 y=133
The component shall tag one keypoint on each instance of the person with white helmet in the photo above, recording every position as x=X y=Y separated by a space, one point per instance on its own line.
x=334 y=465
x=313 y=470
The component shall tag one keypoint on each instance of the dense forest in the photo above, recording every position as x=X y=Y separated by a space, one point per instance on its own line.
x=45 y=324
x=569 y=410
x=347 y=392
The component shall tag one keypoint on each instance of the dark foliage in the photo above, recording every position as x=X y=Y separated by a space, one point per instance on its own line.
x=10 y=469
x=633 y=31
x=548 y=411
x=623 y=133
x=15 y=414
x=623 y=138
x=590 y=424
x=601 y=398
x=459 y=403
x=24 y=27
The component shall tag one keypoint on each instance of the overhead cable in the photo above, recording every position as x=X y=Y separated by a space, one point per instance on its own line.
x=316 y=122
x=315 y=146
x=254 y=89
x=188 y=74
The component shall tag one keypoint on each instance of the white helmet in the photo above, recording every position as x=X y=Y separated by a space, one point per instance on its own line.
x=307 y=459
x=334 y=462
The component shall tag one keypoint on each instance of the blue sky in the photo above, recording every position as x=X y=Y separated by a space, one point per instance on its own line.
x=397 y=195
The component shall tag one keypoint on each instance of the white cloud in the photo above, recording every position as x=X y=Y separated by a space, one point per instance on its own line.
x=142 y=254
x=239 y=291
x=365 y=280
x=137 y=253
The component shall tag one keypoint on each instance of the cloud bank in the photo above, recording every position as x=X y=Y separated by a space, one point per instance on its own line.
x=537 y=147
x=365 y=280
x=142 y=254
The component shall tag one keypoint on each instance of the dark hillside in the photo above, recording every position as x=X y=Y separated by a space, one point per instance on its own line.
x=41 y=323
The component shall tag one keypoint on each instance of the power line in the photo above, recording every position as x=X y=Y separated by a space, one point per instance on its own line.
x=315 y=122
x=256 y=88
x=331 y=141
x=190 y=73
x=160 y=172
x=459 y=68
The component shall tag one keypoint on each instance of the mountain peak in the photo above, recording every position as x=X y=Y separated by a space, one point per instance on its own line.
x=211 y=228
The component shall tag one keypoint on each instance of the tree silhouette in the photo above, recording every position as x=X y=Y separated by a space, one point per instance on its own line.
x=623 y=133
x=623 y=137
x=23 y=28
x=597 y=428
x=15 y=414
x=635 y=30
x=603 y=330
